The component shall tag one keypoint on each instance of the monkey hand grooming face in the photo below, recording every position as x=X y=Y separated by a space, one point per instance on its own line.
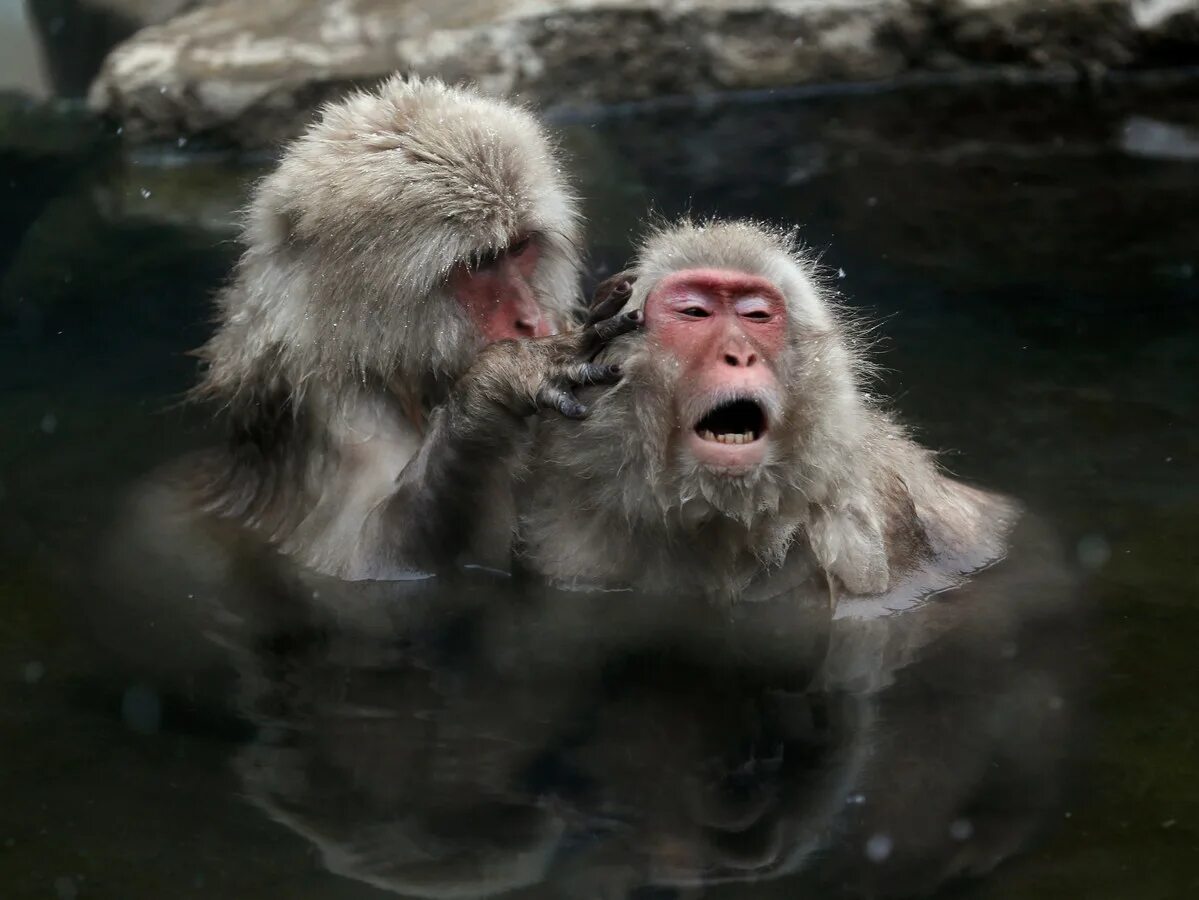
x=475 y=436
x=740 y=440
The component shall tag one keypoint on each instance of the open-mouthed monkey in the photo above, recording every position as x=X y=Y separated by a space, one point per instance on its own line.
x=406 y=229
x=740 y=447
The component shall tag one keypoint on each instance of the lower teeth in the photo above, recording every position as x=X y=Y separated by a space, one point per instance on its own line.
x=730 y=438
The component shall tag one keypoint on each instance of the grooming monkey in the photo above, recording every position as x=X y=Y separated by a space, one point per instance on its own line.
x=405 y=230
x=740 y=452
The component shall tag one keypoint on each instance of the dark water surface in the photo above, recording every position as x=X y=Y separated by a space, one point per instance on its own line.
x=1030 y=259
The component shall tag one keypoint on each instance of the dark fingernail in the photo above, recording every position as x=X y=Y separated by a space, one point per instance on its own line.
x=623 y=288
x=633 y=316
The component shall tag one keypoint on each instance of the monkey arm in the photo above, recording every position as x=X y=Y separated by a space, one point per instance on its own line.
x=472 y=438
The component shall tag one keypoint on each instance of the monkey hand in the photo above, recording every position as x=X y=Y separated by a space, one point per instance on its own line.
x=521 y=377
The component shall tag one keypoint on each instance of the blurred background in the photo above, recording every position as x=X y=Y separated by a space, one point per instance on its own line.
x=1007 y=189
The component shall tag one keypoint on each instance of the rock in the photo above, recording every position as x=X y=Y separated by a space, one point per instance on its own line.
x=76 y=35
x=250 y=74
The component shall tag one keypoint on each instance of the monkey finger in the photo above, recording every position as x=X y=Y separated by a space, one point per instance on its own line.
x=553 y=397
x=609 y=297
x=597 y=335
x=592 y=373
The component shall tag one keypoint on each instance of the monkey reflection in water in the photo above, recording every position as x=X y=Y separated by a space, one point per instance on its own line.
x=472 y=736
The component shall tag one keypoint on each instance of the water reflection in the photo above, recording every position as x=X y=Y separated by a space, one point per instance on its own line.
x=478 y=735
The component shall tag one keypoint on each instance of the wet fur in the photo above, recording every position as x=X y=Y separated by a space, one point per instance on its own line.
x=337 y=329
x=612 y=501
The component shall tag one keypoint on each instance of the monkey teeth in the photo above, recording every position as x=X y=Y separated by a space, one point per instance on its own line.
x=745 y=437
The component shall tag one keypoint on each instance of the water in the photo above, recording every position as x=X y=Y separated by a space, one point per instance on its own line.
x=1030 y=261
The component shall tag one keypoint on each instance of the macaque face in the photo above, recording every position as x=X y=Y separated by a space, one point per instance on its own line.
x=724 y=331
x=498 y=296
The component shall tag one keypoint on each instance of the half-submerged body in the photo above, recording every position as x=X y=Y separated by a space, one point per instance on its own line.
x=740 y=453
x=405 y=230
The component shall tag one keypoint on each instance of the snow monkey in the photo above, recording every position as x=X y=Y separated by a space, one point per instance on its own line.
x=741 y=439
x=405 y=230
x=741 y=453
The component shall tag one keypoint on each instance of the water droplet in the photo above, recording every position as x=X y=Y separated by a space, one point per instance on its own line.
x=1093 y=551
x=33 y=671
x=49 y=423
x=145 y=192
x=141 y=709
x=840 y=273
x=879 y=847
x=961 y=829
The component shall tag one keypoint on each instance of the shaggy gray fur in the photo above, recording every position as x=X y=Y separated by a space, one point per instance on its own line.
x=338 y=321
x=614 y=501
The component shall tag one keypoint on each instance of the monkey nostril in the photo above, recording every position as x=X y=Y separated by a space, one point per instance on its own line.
x=732 y=359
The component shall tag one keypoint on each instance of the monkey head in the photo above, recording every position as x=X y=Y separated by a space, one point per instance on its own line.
x=406 y=228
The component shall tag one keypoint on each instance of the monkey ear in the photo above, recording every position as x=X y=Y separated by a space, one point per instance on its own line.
x=848 y=542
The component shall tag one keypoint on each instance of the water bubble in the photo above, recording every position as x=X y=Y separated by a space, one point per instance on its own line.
x=181 y=142
x=961 y=829
x=141 y=709
x=840 y=273
x=856 y=799
x=1093 y=551
x=879 y=847
x=145 y=192
x=33 y=671
x=49 y=423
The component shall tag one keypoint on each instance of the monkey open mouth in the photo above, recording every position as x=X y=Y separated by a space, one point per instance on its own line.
x=733 y=422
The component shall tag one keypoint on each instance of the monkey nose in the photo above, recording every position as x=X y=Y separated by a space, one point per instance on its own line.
x=740 y=358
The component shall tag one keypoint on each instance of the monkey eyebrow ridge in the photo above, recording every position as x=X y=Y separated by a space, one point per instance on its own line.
x=723 y=283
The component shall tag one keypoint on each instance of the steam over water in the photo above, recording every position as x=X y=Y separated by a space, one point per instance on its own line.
x=1030 y=264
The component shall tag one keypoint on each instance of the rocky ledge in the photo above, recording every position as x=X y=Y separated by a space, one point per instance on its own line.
x=249 y=72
